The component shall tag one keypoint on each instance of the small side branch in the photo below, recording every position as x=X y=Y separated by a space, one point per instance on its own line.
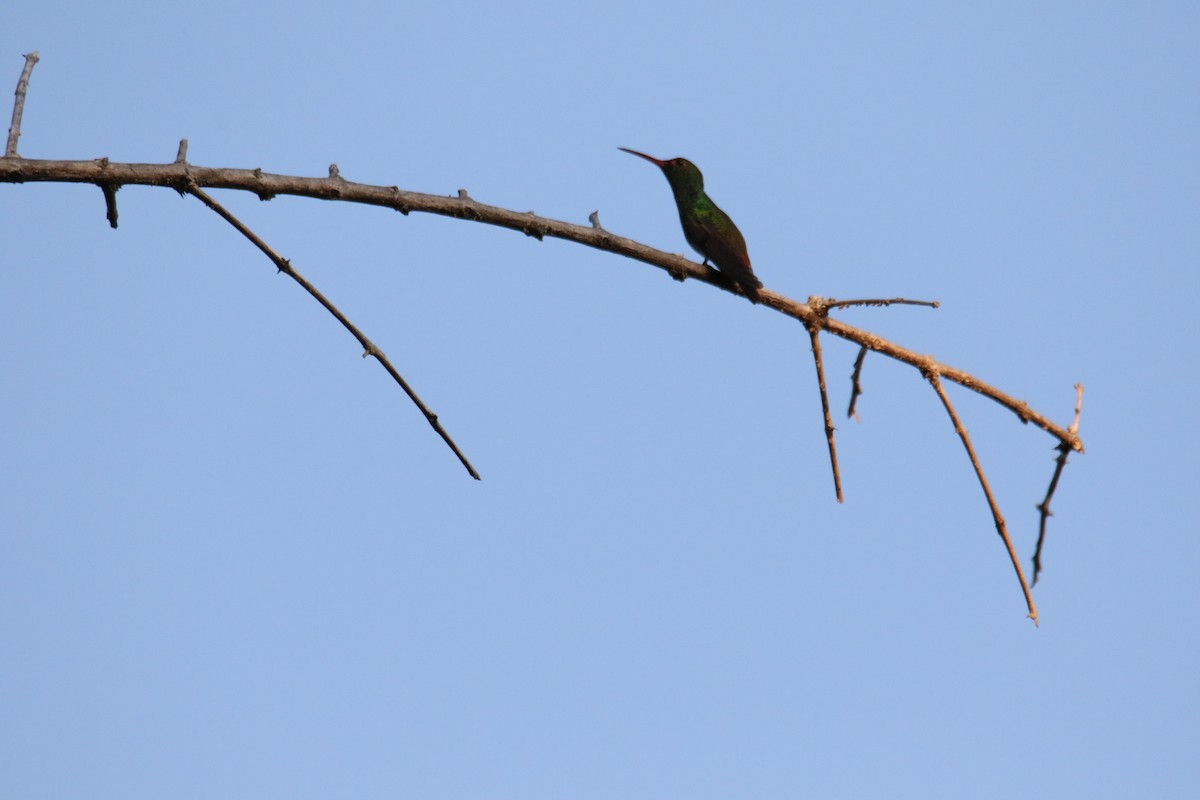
x=1001 y=528
x=895 y=301
x=814 y=332
x=369 y=348
x=855 y=385
x=14 y=129
x=1059 y=464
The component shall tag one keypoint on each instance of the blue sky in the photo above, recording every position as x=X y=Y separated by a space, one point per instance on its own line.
x=235 y=562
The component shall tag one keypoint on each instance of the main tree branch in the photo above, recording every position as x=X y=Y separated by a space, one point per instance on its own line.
x=179 y=176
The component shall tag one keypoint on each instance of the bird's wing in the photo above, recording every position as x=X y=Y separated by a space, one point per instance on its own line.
x=729 y=259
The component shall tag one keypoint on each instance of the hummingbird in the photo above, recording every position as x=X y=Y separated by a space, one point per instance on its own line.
x=708 y=229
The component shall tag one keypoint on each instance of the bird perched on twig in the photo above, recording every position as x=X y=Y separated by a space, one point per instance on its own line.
x=707 y=228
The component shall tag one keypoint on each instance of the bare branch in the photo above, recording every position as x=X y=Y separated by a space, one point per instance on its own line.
x=369 y=348
x=185 y=178
x=1043 y=508
x=1001 y=528
x=14 y=129
x=814 y=331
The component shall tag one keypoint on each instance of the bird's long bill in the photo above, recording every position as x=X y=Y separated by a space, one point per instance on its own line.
x=651 y=159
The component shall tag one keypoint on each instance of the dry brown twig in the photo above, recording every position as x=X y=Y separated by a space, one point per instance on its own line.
x=192 y=179
x=1001 y=527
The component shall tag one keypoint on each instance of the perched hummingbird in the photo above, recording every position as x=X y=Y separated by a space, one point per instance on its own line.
x=708 y=229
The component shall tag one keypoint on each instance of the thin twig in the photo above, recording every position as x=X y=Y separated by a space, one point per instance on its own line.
x=814 y=335
x=369 y=348
x=855 y=384
x=936 y=382
x=14 y=129
x=895 y=301
x=1059 y=464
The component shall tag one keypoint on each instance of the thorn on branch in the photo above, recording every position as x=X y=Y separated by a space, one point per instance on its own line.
x=402 y=207
x=533 y=228
x=335 y=177
x=677 y=272
x=263 y=194
x=181 y=156
x=465 y=211
x=110 y=202
x=594 y=218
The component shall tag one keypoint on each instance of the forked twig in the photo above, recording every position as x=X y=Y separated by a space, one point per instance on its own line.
x=823 y=306
x=814 y=336
x=369 y=348
x=1059 y=464
x=936 y=382
x=14 y=129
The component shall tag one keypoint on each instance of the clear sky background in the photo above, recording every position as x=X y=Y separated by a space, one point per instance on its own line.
x=236 y=563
